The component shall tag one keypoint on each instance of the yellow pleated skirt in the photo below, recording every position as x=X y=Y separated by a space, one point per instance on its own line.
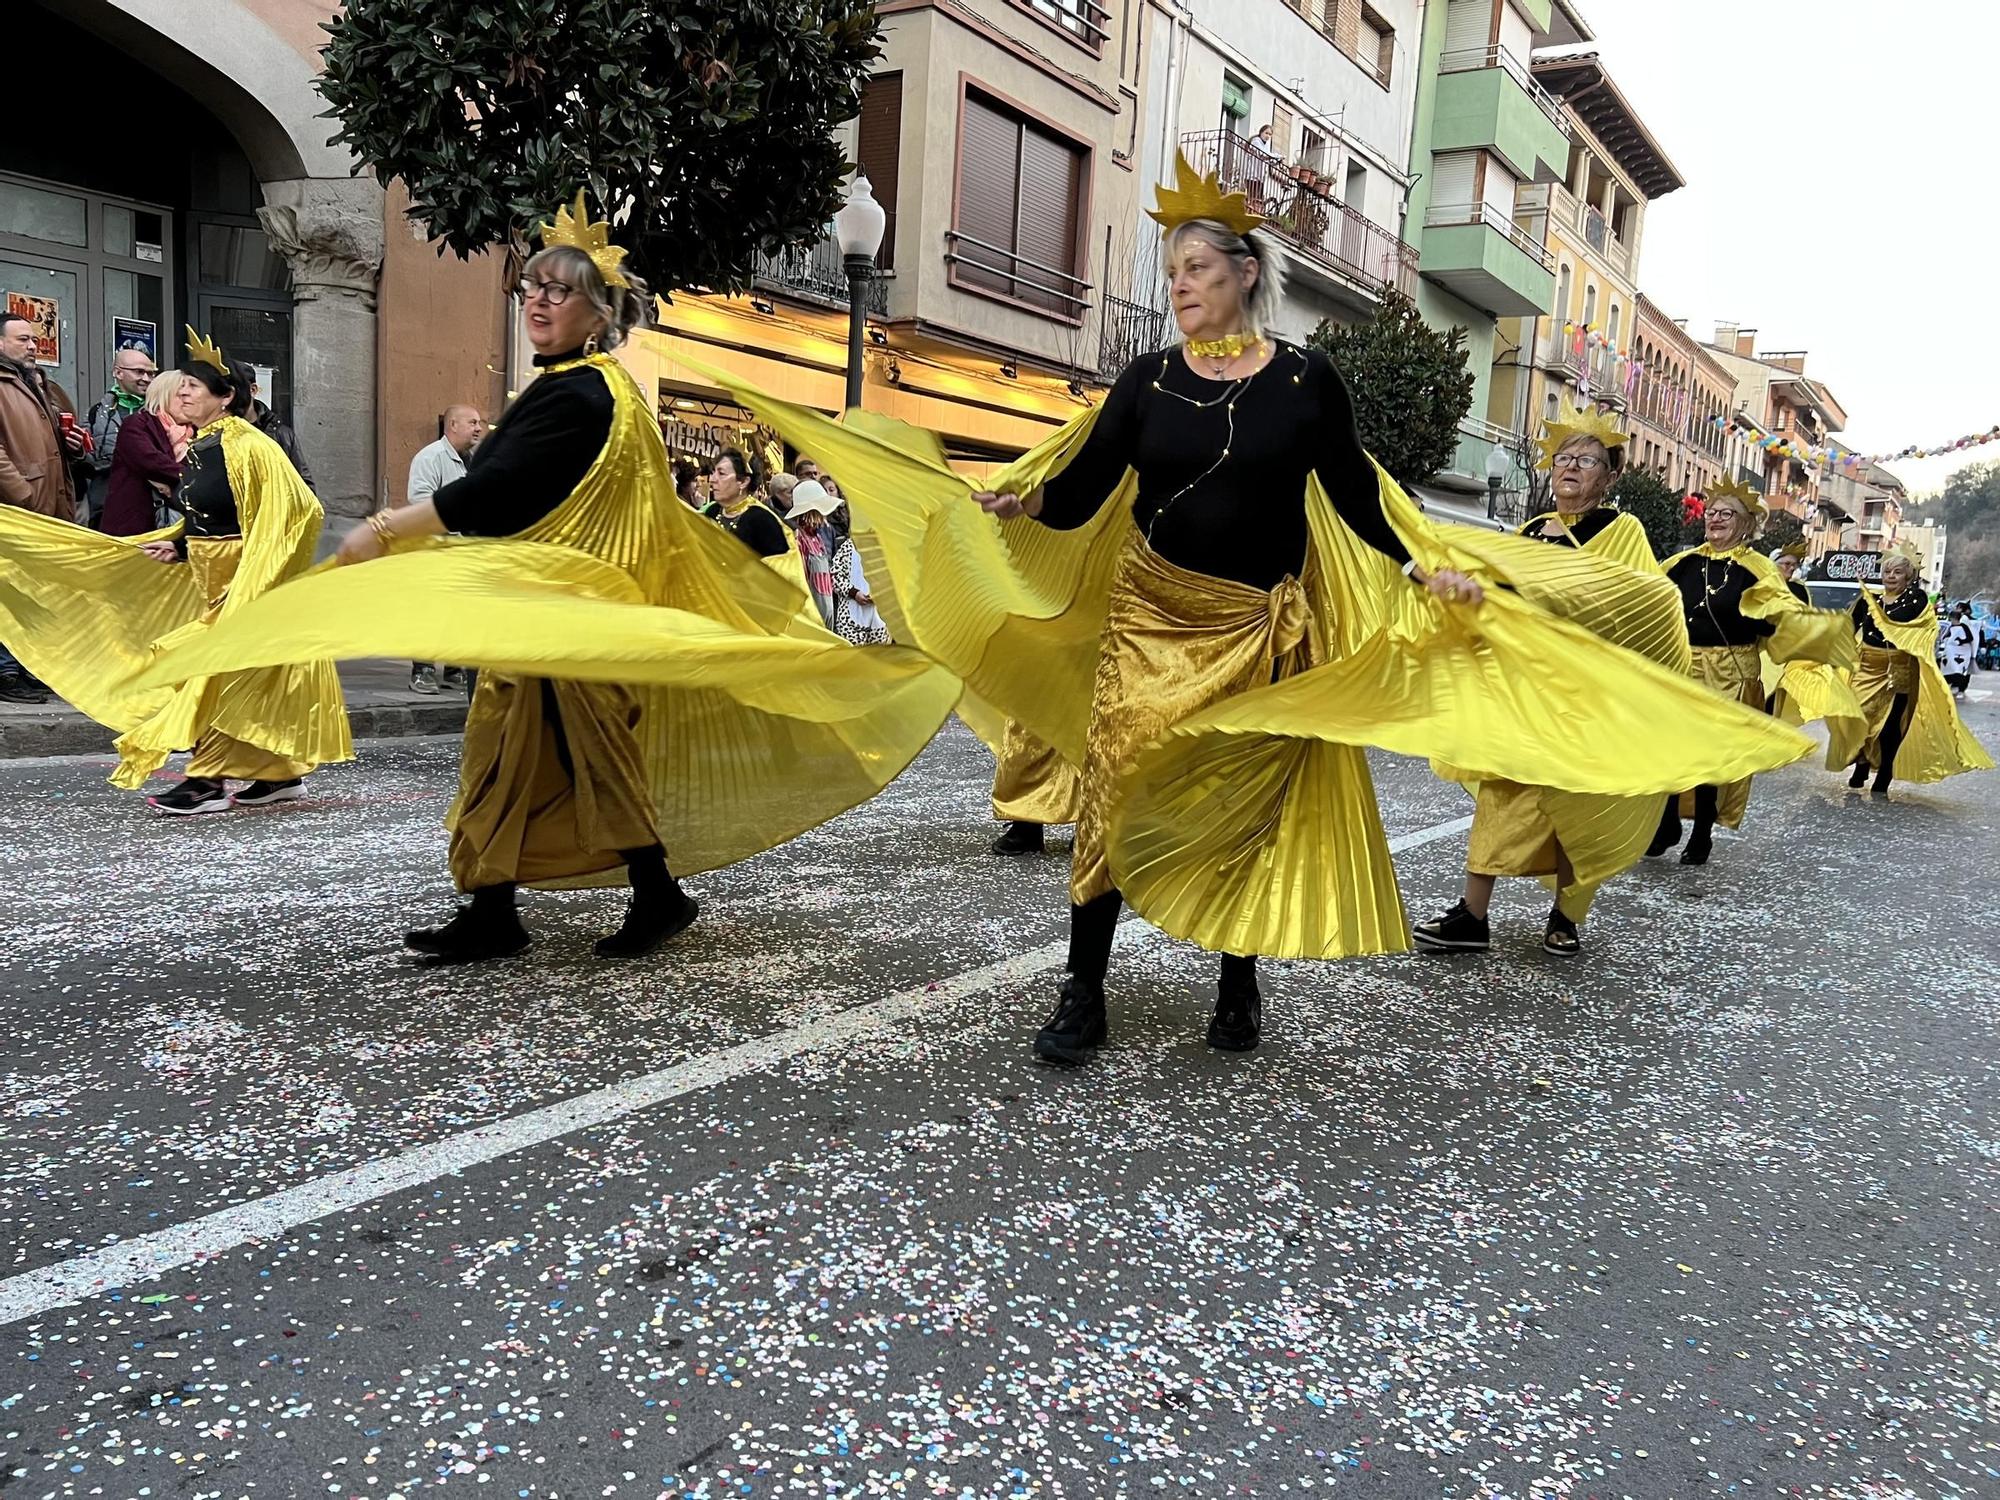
x=1736 y=673
x=1032 y=782
x=1880 y=677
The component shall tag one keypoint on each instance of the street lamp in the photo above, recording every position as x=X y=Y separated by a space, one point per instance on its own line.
x=858 y=229
x=1499 y=464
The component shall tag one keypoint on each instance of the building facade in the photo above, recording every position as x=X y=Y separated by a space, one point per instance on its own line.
x=1678 y=407
x=1779 y=407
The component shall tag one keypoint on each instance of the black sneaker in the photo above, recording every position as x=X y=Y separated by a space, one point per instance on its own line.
x=262 y=793
x=1700 y=844
x=471 y=936
x=196 y=794
x=1238 y=1023
x=1454 y=931
x=1559 y=937
x=16 y=687
x=1075 y=1031
x=423 y=680
x=1020 y=838
x=453 y=679
x=648 y=924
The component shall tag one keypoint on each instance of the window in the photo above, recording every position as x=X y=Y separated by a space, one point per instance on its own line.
x=1589 y=305
x=1018 y=230
x=878 y=151
x=1375 y=46
x=1613 y=330
x=1281 y=129
x=1082 y=21
x=1562 y=295
x=1235 y=104
x=1356 y=195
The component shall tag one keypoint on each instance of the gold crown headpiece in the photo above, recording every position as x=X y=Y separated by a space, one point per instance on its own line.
x=1798 y=549
x=1579 y=422
x=1195 y=196
x=1906 y=550
x=574 y=227
x=1735 y=489
x=202 y=352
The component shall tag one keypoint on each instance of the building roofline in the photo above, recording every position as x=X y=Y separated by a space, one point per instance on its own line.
x=1586 y=88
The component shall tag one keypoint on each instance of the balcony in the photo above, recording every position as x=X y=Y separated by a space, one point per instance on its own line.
x=1478 y=254
x=817 y=274
x=1127 y=330
x=1356 y=253
x=1487 y=100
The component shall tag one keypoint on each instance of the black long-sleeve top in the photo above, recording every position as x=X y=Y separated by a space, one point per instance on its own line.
x=756 y=527
x=1799 y=591
x=535 y=457
x=1222 y=464
x=205 y=495
x=1582 y=528
x=1712 y=595
x=1904 y=607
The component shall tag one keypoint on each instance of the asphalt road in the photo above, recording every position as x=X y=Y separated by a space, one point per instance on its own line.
x=789 y=1211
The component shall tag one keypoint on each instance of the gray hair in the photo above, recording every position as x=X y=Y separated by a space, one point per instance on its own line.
x=623 y=308
x=160 y=392
x=1260 y=310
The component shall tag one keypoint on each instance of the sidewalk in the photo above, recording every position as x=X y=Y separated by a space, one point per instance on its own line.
x=380 y=705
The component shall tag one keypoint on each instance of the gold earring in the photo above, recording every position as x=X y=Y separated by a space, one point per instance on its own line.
x=590 y=346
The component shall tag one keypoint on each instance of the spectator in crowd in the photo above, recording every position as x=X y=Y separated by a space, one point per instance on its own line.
x=35 y=454
x=810 y=504
x=685 y=483
x=778 y=492
x=266 y=421
x=855 y=617
x=132 y=370
x=146 y=469
x=435 y=466
x=807 y=468
x=1989 y=642
x=1958 y=644
x=733 y=501
x=1258 y=163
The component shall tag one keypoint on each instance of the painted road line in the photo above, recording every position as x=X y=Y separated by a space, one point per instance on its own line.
x=129 y=1262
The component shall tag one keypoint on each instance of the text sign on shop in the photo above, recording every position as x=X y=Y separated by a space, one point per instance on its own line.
x=1851 y=567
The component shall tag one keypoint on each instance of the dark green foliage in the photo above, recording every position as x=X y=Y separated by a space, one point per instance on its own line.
x=1659 y=506
x=1411 y=386
x=712 y=119
x=1969 y=509
x=1781 y=530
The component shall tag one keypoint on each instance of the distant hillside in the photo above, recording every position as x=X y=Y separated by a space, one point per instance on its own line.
x=1970 y=508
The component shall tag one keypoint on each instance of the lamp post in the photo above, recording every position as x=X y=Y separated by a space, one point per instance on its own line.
x=1499 y=464
x=858 y=229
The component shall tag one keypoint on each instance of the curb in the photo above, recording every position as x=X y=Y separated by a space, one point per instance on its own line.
x=29 y=738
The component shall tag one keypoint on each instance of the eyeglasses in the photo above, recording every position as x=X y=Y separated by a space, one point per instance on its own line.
x=1584 y=461
x=555 y=293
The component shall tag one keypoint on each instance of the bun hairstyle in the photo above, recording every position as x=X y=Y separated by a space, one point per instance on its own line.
x=227 y=381
x=1260 y=310
x=623 y=308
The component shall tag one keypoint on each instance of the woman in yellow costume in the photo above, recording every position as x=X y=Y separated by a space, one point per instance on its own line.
x=644 y=677
x=1739 y=610
x=1205 y=594
x=1512 y=833
x=1907 y=724
x=86 y=612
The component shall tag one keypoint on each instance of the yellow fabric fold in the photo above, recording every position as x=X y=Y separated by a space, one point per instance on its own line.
x=1250 y=825
x=1032 y=783
x=755 y=723
x=88 y=613
x=1936 y=744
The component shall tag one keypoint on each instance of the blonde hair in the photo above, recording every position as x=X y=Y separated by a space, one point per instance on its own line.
x=1260 y=308
x=161 y=391
x=623 y=308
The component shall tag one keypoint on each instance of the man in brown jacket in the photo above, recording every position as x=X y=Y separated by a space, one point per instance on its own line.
x=35 y=456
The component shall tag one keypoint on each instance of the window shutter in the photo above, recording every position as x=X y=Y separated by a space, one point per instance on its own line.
x=1051 y=191
x=879 y=150
x=989 y=178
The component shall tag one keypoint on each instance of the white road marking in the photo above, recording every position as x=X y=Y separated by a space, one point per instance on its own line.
x=143 y=1257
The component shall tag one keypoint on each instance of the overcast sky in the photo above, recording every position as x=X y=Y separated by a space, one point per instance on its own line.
x=1841 y=195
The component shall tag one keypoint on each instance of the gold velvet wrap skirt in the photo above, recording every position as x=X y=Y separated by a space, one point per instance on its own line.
x=1734 y=672
x=1175 y=642
x=1880 y=677
x=552 y=783
x=1032 y=782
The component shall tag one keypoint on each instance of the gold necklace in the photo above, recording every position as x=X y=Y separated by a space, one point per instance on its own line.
x=1225 y=351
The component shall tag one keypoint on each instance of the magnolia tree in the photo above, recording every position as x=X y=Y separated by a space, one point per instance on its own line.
x=703 y=128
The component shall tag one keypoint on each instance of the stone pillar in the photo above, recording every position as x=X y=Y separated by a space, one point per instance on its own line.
x=329 y=231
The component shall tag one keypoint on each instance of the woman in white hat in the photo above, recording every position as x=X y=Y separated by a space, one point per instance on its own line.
x=810 y=507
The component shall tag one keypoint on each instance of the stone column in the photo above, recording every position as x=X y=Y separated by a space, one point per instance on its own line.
x=330 y=232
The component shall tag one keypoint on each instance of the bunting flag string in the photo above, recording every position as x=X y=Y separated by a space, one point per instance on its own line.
x=1846 y=458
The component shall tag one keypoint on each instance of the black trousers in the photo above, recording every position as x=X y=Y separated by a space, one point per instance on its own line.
x=1092 y=927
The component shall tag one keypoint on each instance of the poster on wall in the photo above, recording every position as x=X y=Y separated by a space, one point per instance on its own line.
x=136 y=333
x=265 y=379
x=46 y=314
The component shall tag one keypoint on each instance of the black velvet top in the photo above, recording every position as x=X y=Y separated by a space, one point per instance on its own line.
x=1712 y=594
x=1905 y=606
x=755 y=526
x=1799 y=591
x=535 y=456
x=205 y=495
x=1582 y=529
x=1222 y=464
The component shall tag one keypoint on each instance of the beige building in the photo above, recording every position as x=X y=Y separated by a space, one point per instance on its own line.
x=1679 y=407
x=1776 y=399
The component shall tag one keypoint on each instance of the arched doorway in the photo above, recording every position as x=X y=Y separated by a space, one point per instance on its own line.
x=198 y=187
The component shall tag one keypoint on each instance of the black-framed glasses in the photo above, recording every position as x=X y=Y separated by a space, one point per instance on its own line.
x=1584 y=461
x=555 y=293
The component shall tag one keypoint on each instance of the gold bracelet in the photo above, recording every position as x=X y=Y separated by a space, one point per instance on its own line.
x=378 y=522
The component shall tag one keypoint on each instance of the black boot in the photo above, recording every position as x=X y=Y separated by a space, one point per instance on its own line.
x=1699 y=844
x=1882 y=780
x=1020 y=838
x=1669 y=832
x=487 y=927
x=659 y=909
x=1859 y=778
x=1238 y=1023
x=1075 y=1029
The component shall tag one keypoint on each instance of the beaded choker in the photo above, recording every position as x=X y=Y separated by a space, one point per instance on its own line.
x=1229 y=346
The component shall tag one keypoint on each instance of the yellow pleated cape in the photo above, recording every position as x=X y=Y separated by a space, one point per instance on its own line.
x=756 y=723
x=89 y=613
x=1938 y=745
x=1252 y=827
